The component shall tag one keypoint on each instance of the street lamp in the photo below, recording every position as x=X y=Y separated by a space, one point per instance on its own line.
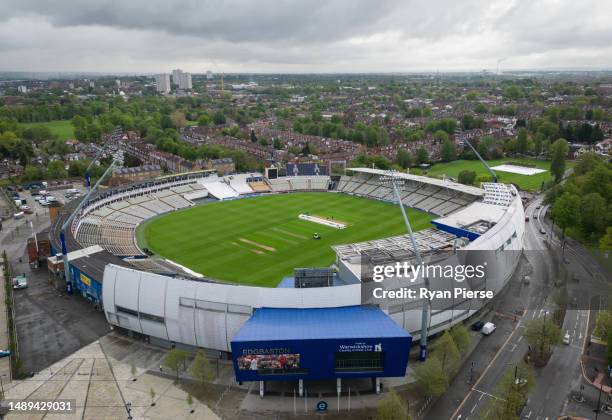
x=393 y=178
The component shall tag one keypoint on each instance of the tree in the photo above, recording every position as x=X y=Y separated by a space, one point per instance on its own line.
x=219 y=118
x=152 y=394
x=55 y=170
x=175 y=360
x=593 y=209
x=542 y=334
x=204 y=120
x=277 y=143
x=403 y=158
x=200 y=369
x=253 y=136
x=190 y=402
x=605 y=243
x=445 y=349
x=391 y=407
x=511 y=391
x=522 y=142
x=448 y=151
x=603 y=323
x=466 y=177
x=559 y=151
x=422 y=156
x=566 y=210
x=178 y=119
x=461 y=337
x=431 y=377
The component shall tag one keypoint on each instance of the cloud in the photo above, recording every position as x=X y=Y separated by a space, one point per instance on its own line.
x=302 y=36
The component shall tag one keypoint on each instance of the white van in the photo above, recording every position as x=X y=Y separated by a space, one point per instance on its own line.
x=488 y=328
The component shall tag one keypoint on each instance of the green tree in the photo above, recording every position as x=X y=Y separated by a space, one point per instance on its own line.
x=461 y=337
x=431 y=377
x=522 y=142
x=190 y=402
x=542 y=334
x=603 y=323
x=200 y=369
x=175 y=361
x=219 y=118
x=56 y=170
x=566 y=210
x=605 y=243
x=559 y=151
x=593 y=210
x=403 y=158
x=277 y=143
x=445 y=349
x=466 y=177
x=391 y=407
x=448 y=151
x=204 y=120
x=422 y=156
x=510 y=393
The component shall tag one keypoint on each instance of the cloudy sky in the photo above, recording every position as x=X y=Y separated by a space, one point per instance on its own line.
x=303 y=35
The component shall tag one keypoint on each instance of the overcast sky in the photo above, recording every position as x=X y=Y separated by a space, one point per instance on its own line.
x=152 y=36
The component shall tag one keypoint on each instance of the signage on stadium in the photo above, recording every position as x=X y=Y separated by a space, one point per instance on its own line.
x=359 y=347
x=279 y=350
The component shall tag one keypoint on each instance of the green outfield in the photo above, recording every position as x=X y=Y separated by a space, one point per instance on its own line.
x=63 y=129
x=524 y=182
x=260 y=240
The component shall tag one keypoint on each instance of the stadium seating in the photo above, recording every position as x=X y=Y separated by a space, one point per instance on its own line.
x=427 y=197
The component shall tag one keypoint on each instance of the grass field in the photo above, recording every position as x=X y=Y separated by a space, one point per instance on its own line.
x=524 y=182
x=260 y=240
x=62 y=128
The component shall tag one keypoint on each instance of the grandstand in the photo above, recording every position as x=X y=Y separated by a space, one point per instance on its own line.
x=431 y=195
x=300 y=183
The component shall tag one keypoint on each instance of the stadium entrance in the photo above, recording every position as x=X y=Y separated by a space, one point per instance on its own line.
x=286 y=344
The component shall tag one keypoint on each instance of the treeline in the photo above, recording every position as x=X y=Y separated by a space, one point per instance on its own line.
x=582 y=206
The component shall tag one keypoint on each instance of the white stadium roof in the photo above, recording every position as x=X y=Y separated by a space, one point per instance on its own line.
x=426 y=180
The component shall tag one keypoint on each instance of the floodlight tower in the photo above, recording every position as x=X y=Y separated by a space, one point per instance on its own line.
x=493 y=174
x=394 y=180
x=72 y=216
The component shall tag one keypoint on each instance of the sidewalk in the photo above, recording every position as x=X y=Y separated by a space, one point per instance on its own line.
x=5 y=362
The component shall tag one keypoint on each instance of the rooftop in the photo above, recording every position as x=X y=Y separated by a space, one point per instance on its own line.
x=285 y=324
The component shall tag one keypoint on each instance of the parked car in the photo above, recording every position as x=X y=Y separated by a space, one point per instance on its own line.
x=488 y=328
x=20 y=282
x=18 y=215
x=5 y=353
x=51 y=199
x=477 y=326
x=43 y=202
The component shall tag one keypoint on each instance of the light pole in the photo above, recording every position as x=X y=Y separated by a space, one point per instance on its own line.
x=393 y=179
x=72 y=216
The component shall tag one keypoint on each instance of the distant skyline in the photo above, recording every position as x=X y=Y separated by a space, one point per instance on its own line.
x=303 y=36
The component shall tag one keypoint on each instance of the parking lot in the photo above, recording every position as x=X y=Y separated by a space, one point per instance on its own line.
x=50 y=324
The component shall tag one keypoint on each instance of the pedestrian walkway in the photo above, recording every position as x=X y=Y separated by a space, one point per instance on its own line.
x=104 y=388
x=5 y=362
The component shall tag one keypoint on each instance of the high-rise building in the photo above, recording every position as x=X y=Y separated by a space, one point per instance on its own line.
x=163 y=82
x=182 y=79
x=209 y=75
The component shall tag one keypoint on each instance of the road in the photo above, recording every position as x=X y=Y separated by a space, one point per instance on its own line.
x=561 y=378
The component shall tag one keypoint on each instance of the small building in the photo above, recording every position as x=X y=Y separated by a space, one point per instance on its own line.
x=281 y=344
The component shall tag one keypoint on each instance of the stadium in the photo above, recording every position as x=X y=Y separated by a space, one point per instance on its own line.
x=267 y=271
